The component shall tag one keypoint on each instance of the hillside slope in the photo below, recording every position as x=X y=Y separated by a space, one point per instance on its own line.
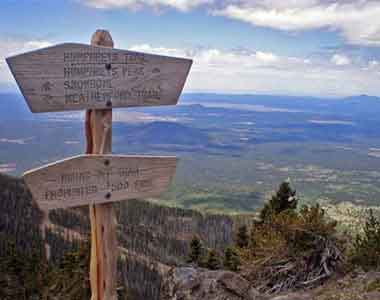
x=151 y=237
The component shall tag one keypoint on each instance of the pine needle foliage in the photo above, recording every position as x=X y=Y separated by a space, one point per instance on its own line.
x=21 y=276
x=70 y=278
x=283 y=200
x=366 y=252
x=290 y=248
x=195 y=250
x=242 y=237
x=231 y=259
x=213 y=261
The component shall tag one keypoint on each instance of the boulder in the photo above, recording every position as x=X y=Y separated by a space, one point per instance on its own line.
x=188 y=283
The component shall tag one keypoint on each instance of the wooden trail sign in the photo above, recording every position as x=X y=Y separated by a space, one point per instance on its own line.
x=77 y=76
x=94 y=179
x=98 y=78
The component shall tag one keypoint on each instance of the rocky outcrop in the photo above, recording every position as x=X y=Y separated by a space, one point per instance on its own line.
x=357 y=285
x=199 y=284
x=293 y=296
x=196 y=284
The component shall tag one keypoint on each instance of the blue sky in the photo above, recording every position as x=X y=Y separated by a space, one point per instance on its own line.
x=295 y=47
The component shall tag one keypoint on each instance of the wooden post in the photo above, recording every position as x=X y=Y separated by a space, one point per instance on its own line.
x=104 y=251
x=43 y=77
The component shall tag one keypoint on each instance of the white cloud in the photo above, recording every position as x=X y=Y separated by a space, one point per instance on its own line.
x=9 y=47
x=249 y=71
x=266 y=57
x=182 y=5
x=160 y=50
x=340 y=60
x=357 y=20
x=246 y=71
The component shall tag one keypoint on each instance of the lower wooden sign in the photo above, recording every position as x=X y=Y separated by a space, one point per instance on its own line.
x=93 y=179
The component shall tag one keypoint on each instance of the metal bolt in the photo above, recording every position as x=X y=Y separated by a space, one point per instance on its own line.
x=108 y=66
x=107 y=162
x=108 y=195
x=109 y=103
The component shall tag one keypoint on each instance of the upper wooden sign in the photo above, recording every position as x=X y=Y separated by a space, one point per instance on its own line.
x=93 y=179
x=76 y=76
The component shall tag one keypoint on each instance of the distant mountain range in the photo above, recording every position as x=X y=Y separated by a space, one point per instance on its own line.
x=163 y=133
x=13 y=106
x=361 y=104
x=278 y=99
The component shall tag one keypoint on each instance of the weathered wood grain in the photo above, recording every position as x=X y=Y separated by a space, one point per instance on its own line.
x=76 y=76
x=104 y=250
x=93 y=179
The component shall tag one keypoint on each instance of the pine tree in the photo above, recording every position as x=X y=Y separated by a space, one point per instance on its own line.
x=195 y=251
x=11 y=274
x=212 y=260
x=231 y=260
x=20 y=274
x=242 y=238
x=70 y=279
x=284 y=199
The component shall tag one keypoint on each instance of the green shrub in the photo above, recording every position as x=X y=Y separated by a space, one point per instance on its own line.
x=311 y=227
x=290 y=232
x=290 y=249
x=195 y=250
x=373 y=286
x=212 y=261
x=231 y=259
x=242 y=237
x=366 y=252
